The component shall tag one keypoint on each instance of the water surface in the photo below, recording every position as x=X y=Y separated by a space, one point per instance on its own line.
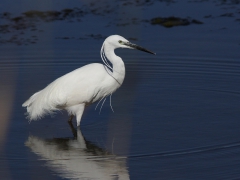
x=176 y=115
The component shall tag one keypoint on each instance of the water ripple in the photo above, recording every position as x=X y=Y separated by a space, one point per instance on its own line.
x=198 y=150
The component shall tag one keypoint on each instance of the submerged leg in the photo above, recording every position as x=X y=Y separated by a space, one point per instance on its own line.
x=74 y=131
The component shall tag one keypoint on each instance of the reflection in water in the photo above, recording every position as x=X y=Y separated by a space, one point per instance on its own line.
x=76 y=158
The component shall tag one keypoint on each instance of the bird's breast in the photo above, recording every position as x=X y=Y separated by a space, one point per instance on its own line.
x=106 y=88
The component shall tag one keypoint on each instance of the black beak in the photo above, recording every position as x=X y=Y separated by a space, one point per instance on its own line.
x=134 y=46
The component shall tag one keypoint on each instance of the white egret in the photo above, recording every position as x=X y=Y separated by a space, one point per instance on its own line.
x=83 y=86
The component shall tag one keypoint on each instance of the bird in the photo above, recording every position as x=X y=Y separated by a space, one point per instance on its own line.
x=84 y=86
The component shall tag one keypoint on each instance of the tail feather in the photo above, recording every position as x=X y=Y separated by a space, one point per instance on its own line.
x=38 y=105
x=30 y=100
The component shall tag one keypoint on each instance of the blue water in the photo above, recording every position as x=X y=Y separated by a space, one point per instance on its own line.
x=176 y=115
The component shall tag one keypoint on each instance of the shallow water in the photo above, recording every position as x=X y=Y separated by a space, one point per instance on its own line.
x=176 y=115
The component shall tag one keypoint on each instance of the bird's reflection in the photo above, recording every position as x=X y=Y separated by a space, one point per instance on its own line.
x=76 y=158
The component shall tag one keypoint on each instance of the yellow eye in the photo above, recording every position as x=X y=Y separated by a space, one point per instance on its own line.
x=120 y=41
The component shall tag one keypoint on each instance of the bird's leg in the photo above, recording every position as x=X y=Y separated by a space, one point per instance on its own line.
x=74 y=131
x=79 y=113
x=70 y=118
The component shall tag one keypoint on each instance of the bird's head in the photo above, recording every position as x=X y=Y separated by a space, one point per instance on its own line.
x=120 y=42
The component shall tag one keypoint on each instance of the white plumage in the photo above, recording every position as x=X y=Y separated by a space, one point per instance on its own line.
x=83 y=86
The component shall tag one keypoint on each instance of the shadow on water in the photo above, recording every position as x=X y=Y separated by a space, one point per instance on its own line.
x=77 y=158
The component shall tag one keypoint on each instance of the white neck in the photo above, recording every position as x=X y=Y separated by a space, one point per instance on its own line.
x=117 y=63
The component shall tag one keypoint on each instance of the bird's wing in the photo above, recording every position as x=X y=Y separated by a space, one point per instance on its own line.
x=78 y=86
